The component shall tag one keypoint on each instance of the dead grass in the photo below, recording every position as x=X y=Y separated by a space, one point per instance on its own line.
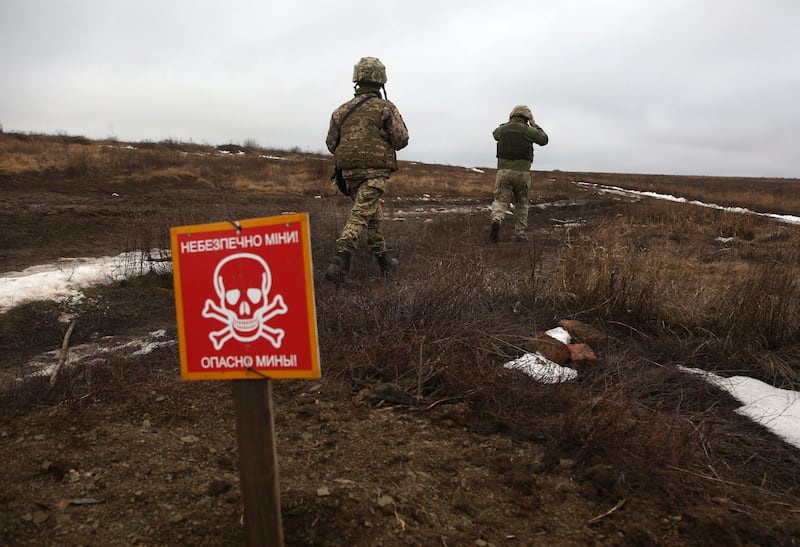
x=768 y=195
x=682 y=269
x=671 y=285
x=442 y=180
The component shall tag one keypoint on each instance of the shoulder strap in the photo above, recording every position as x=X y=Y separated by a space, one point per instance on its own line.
x=352 y=108
x=350 y=111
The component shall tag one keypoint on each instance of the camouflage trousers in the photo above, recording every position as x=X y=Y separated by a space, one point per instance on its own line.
x=365 y=216
x=512 y=187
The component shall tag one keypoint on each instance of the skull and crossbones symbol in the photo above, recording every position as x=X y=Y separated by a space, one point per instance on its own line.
x=242 y=282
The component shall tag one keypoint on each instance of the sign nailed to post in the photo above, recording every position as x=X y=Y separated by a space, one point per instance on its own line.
x=244 y=295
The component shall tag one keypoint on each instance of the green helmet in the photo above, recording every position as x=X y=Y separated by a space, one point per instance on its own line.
x=521 y=111
x=369 y=69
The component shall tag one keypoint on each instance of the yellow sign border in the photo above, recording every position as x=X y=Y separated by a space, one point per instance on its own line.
x=249 y=374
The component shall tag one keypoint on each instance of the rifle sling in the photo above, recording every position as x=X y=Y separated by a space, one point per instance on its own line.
x=352 y=108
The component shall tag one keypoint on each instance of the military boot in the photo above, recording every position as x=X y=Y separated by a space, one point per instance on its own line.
x=386 y=263
x=339 y=268
x=494 y=234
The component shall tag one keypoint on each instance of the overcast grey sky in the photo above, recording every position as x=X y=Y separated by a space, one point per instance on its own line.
x=637 y=86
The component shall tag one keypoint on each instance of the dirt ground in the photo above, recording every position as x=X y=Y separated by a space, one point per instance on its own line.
x=146 y=459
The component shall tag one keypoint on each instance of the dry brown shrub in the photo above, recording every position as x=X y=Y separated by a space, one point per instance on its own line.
x=696 y=272
x=656 y=278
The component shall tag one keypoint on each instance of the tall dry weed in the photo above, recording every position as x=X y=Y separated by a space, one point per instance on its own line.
x=701 y=273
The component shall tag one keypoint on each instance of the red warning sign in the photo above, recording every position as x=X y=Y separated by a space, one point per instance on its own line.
x=244 y=295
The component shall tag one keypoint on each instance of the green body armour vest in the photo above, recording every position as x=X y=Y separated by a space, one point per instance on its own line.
x=514 y=143
x=362 y=146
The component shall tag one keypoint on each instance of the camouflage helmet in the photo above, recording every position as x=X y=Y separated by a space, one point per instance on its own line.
x=521 y=111
x=369 y=69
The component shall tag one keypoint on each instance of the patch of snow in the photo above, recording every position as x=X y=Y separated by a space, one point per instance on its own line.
x=560 y=334
x=542 y=369
x=776 y=409
x=95 y=352
x=66 y=277
x=789 y=219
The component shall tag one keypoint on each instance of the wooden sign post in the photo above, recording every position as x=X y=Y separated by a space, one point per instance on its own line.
x=244 y=296
x=258 y=462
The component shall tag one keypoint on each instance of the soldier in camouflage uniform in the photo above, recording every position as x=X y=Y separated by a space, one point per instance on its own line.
x=363 y=136
x=515 y=141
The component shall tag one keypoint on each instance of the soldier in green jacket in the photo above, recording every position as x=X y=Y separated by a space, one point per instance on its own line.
x=515 y=141
x=363 y=135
